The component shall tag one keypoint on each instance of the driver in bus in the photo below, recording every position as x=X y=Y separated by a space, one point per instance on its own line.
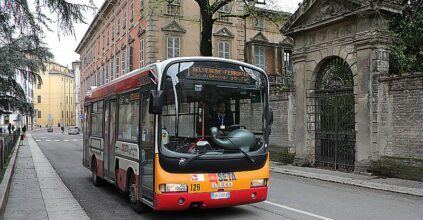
x=222 y=118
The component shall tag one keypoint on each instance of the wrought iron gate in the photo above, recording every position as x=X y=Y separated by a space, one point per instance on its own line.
x=335 y=117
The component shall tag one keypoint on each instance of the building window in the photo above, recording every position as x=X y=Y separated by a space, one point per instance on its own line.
x=113 y=30
x=124 y=62
x=117 y=63
x=173 y=47
x=117 y=26
x=132 y=9
x=39 y=114
x=39 y=99
x=39 y=85
x=141 y=7
x=108 y=37
x=224 y=10
x=174 y=7
x=131 y=58
x=107 y=72
x=259 y=57
x=287 y=61
x=224 y=49
x=111 y=68
x=104 y=40
x=141 y=53
x=259 y=22
x=125 y=17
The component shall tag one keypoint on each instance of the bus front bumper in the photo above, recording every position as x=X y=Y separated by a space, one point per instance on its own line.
x=172 y=201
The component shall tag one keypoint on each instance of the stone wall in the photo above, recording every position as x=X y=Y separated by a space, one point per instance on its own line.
x=283 y=105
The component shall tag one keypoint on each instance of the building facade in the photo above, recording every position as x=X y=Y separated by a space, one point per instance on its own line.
x=54 y=98
x=17 y=118
x=77 y=73
x=130 y=34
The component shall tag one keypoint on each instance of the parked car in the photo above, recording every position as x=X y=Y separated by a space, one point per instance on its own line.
x=73 y=131
x=49 y=129
x=79 y=130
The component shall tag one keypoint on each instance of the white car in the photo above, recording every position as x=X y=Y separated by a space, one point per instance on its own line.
x=73 y=131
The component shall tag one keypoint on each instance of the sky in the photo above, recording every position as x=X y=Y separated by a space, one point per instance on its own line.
x=63 y=47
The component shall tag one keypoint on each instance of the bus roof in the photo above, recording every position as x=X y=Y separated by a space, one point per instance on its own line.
x=126 y=82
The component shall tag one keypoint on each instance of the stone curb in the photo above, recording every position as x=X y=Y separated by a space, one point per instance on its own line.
x=350 y=181
x=7 y=179
x=61 y=192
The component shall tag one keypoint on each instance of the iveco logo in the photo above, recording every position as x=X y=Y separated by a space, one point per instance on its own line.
x=219 y=185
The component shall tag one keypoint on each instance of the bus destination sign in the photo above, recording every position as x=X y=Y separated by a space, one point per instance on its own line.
x=221 y=74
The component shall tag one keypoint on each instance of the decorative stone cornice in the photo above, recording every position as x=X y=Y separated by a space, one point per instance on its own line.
x=224 y=32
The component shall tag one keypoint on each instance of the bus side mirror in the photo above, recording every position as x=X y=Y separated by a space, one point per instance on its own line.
x=156 y=102
x=270 y=117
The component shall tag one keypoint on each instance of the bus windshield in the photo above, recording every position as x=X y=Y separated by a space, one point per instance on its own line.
x=214 y=107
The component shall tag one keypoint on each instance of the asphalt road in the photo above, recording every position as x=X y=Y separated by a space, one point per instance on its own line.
x=289 y=197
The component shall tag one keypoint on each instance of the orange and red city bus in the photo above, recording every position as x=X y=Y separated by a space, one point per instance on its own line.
x=154 y=134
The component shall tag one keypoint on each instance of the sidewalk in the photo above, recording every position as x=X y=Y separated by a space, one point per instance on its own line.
x=37 y=192
x=373 y=182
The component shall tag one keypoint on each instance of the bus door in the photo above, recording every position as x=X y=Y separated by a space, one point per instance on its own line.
x=86 y=137
x=147 y=150
x=110 y=138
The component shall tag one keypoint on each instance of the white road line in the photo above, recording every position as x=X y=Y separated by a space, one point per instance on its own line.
x=37 y=140
x=47 y=140
x=56 y=140
x=75 y=140
x=297 y=210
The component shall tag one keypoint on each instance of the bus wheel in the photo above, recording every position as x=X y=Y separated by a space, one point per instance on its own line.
x=137 y=205
x=96 y=179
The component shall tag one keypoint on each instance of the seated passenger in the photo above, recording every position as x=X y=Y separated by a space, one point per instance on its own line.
x=222 y=118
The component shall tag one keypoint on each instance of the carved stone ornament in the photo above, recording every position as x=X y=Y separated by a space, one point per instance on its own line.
x=141 y=30
x=131 y=39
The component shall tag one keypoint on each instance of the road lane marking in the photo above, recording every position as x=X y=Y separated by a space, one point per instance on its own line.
x=75 y=140
x=297 y=210
x=47 y=140
x=56 y=140
x=37 y=140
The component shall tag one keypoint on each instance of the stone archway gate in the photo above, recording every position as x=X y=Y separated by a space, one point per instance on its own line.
x=355 y=31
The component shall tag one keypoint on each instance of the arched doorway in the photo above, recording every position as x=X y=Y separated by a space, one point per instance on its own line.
x=335 y=116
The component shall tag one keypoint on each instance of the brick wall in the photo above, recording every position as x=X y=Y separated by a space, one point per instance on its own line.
x=283 y=105
x=400 y=116
x=397 y=148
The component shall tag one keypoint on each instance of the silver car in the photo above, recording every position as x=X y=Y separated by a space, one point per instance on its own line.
x=73 y=131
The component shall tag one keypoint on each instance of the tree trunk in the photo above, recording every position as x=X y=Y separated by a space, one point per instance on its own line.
x=206 y=46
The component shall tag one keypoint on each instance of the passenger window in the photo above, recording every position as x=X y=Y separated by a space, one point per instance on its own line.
x=128 y=124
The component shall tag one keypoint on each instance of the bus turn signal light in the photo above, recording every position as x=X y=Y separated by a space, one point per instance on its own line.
x=164 y=188
x=258 y=183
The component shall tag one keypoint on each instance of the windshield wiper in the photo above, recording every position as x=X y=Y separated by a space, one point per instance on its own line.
x=184 y=162
x=243 y=152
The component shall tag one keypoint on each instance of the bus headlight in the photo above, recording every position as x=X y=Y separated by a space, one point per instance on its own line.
x=258 y=183
x=173 y=188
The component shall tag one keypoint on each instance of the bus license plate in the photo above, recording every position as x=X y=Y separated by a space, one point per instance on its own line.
x=220 y=195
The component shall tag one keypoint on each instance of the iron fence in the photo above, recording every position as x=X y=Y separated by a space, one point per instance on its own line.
x=7 y=144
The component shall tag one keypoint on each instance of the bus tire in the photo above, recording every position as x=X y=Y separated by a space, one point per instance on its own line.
x=95 y=178
x=136 y=205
